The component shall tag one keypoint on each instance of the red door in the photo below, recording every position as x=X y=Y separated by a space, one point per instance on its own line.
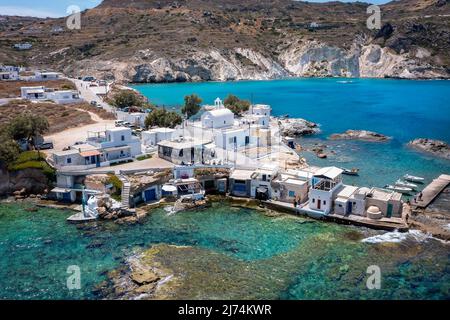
x=318 y=204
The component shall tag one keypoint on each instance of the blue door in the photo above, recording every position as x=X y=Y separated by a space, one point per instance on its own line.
x=66 y=197
x=150 y=195
x=349 y=207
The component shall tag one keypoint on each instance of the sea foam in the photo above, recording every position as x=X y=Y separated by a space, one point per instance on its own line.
x=396 y=237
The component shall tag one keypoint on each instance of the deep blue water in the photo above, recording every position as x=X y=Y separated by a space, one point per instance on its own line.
x=401 y=109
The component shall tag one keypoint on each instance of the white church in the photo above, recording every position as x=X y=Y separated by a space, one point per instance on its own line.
x=218 y=117
x=233 y=134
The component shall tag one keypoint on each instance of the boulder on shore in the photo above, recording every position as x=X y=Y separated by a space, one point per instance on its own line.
x=435 y=147
x=362 y=135
x=294 y=127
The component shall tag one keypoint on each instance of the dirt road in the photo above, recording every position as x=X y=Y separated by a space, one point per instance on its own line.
x=70 y=136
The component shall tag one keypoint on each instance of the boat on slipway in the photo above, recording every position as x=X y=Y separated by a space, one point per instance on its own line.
x=407 y=184
x=412 y=178
x=404 y=190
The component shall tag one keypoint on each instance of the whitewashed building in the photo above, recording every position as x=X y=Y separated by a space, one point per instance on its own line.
x=33 y=93
x=152 y=137
x=261 y=180
x=116 y=143
x=134 y=118
x=343 y=204
x=64 y=96
x=9 y=73
x=46 y=75
x=217 y=119
x=186 y=150
x=325 y=185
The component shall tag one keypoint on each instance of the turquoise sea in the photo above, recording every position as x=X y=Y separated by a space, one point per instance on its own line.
x=290 y=257
x=401 y=109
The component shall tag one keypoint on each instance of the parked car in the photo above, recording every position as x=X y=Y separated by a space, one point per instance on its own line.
x=94 y=103
x=45 y=145
x=119 y=123
x=78 y=143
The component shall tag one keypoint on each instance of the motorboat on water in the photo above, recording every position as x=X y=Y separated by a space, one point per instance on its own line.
x=407 y=184
x=351 y=172
x=412 y=178
x=399 y=188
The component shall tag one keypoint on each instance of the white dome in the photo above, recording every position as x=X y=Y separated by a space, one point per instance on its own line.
x=373 y=209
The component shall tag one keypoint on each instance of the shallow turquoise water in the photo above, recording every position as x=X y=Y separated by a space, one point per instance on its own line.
x=316 y=260
x=401 y=109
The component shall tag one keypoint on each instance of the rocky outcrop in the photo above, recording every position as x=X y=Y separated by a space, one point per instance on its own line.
x=28 y=181
x=237 y=64
x=294 y=127
x=362 y=135
x=435 y=147
x=316 y=59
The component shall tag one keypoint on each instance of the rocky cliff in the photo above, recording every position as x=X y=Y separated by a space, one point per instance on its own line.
x=200 y=40
x=28 y=181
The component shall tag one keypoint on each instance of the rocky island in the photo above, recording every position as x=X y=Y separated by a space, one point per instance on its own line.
x=435 y=147
x=295 y=127
x=362 y=135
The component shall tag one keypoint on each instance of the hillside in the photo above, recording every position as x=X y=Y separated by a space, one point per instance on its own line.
x=154 y=41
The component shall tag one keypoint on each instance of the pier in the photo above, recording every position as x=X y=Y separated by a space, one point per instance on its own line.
x=389 y=224
x=431 y=191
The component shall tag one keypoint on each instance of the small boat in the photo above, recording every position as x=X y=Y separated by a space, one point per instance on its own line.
x=401 y=183
x=399 y=189
x=351 y=172
x=409 y=177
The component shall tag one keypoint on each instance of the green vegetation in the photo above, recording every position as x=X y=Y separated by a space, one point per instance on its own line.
x=144 y=157
x=191 y=105
x=23 y=127
x=30 y=156
x=9 y=151
x=117 y=186
x=127 y=98
x=33 y=160
x=160 y=117
x=27 y=127
x=236 y=105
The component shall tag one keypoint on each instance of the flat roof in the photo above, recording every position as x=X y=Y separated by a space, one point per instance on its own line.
x=164 y=130
x=241 y=174
x=328 y=172
x=35 y=91
x=118 y=129
x=347 y=191
x=83 y=147
x=385 y=195
x=182 y=144
x=66 y=152
x=295 y=181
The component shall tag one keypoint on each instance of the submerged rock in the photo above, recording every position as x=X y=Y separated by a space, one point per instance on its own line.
x=435 y=147
x=295 y=127
x=363 y=135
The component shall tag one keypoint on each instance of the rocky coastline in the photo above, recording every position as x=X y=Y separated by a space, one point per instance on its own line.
x=436 y=148
x=295 y=127
x=362 y=135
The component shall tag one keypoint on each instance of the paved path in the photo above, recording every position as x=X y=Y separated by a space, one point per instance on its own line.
x=154 y=163
x=90 y=93
x=432 y=190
